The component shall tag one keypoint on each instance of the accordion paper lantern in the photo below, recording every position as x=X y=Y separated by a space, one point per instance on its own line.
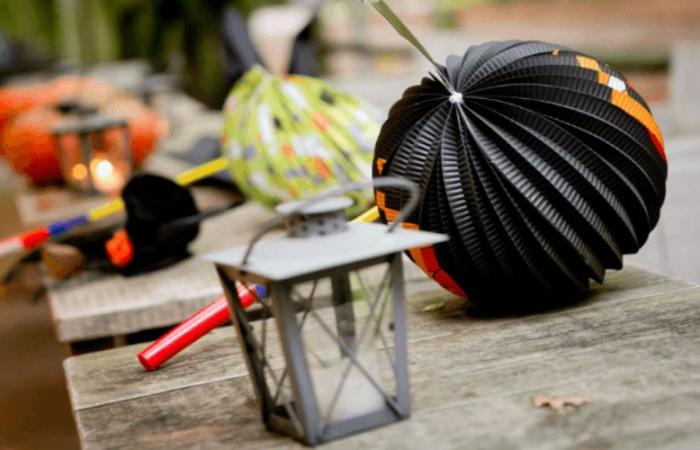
x=291 y=137
x=543 y=165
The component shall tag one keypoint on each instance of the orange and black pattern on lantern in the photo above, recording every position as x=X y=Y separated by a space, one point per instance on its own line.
x=425 y=258
x=626 y=99
x=543 y=166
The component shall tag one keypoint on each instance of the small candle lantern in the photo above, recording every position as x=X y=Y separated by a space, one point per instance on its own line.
x=327 y=355
x=95 y=154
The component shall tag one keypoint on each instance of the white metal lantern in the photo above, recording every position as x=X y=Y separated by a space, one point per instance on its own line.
x=328 y=355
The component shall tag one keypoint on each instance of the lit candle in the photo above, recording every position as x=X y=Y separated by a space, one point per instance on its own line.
x=79 y=172
x=106 y=177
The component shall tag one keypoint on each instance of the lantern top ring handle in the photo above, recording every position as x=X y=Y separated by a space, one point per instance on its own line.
x=380 y=182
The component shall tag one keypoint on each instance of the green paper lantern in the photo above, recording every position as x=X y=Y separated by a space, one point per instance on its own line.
x=291 y=137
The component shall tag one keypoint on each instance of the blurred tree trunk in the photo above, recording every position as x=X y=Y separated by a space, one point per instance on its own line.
x=88 y=31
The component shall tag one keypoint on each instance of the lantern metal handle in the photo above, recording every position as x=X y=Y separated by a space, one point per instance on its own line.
x=381 y=182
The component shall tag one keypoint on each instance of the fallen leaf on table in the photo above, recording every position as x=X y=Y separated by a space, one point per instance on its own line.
x=557 y=404
x=434 y=306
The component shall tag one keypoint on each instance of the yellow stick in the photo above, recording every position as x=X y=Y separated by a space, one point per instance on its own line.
x=187 y=177
x=190 y=176
x=370 y=215
x=203 y=171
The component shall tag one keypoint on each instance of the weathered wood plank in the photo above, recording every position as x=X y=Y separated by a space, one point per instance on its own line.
x=631 y=349
x=94 y=305
x=109 y=377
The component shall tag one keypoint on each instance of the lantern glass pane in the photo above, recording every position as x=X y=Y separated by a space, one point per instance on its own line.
x=96 y=161
x=346 y=328
x=110 y=162
x=74 y=167
x=264 y=340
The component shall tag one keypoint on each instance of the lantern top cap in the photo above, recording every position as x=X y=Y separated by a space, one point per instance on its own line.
x=289 y=257
x=328 y=205
x=88 y=124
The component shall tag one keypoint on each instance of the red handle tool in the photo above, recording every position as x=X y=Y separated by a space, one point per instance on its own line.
x=202 y=322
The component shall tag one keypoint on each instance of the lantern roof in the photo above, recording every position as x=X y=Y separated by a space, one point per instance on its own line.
x=290 y=257
x=88 y=124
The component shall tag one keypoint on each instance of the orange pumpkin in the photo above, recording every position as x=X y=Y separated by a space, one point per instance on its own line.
x=14 y=100
x=29 y=146
x=84 y=89
x=17 y=99
x=146 y=128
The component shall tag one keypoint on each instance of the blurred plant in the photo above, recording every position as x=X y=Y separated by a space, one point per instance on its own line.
x=28 y=19
x=445 y=17
x=85 y=32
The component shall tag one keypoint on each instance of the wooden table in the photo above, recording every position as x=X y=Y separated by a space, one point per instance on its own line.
x=632 y=349
x=39 y=206
x=96 y=311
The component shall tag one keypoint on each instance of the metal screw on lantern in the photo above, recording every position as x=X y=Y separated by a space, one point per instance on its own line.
x=328 y=357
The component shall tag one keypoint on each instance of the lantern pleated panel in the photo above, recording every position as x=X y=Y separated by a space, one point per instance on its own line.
x=290 y=137
x=544 y=166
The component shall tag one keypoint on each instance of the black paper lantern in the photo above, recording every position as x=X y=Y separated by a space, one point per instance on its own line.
x=543 y=166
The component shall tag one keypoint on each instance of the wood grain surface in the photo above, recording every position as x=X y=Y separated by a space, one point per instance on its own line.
x=630 y=348
x=95 y=305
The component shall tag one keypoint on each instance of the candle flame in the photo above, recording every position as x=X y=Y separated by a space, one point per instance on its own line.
x=102 y=168
x=79 y=172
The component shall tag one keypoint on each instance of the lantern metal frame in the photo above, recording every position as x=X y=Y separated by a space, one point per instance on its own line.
x=299 y=416
x=85 y=126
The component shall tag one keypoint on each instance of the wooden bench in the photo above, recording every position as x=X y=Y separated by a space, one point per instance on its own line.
x=95 y=311
x=630 y=349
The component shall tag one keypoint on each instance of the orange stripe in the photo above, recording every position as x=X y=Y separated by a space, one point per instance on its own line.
x=322 y=168
x=380 y=199
x=418 y=259
x=416 y=254
x=592 y=64
x=425 y=257
x=658 y=145
x=430 y=258
x=390 y=214
x=588 y=63
x=288 y=150
x=438 y=274
x=320 y=120
x=448 y=283
x=623 y=101
x=380 y=165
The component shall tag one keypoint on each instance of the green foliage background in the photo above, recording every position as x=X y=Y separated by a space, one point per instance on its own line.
x=85 y=32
